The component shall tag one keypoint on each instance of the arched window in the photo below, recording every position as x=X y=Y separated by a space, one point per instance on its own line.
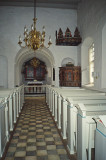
x=91 y=63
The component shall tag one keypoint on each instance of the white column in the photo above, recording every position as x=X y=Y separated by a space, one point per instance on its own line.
x=64 y=118
x=10 y=113
x=19 y=100
x=47 y=95
x=90 y=142
x=6 y=119
x=51 y=100
x=70 y=128
x=23 y=95
x=14 y=106
x=17 y=104
x=55 y=107
x=59 y=111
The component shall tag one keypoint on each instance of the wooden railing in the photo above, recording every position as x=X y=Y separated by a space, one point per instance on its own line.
x=11 y=103
x=35 y=89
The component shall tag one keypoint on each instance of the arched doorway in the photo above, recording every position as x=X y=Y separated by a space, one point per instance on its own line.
x=26 y=54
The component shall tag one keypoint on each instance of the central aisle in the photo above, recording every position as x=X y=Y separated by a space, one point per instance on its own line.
x=36 y=136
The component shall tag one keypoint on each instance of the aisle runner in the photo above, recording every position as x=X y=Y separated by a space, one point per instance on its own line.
x=36 y=137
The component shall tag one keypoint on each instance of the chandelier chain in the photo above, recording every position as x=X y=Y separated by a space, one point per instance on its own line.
x=34 y=8
x=34 y=39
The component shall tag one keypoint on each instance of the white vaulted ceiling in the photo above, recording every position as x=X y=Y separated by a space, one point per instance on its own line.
x=69 y=4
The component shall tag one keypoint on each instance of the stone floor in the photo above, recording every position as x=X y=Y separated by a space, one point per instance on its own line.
x=36 y=136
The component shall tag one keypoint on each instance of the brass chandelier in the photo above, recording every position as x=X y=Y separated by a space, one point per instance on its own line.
x=34 y=39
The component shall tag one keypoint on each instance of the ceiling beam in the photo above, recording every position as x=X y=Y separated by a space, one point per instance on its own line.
x=66 y=4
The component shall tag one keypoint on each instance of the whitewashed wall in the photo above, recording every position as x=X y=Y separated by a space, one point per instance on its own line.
x=3 y=72
x=91 y=20
x=15 y=18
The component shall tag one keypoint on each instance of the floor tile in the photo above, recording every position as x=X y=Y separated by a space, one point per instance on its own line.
x=12 y=149
x=30 y=148
x=30 y=153
x=30 y=158
x=31 y=140
x=41 y=152
x=36 y=136
x=52 y=152
x=40 y=143
x=20 y=154
x=21 y=145
x=42 y=157
x=53 y=157
x=51 y=147
x=61 y=151
x=49 y=139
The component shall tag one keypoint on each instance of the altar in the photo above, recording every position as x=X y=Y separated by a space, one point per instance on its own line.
x=35 y=83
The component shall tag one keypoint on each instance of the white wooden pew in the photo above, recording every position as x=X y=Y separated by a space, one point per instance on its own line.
x=55 y=99
x=47 y=93
x=100 y=138
x=9 y=94
x=54 y=90
x=11 y=101
x=16 y=98
x=63 y=110
x=59 y=98
x=4 y=124
x=86 y=111
x=72 y=115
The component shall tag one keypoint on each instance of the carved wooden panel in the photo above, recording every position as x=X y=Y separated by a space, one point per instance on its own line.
x=34 y=69
x=70 y=76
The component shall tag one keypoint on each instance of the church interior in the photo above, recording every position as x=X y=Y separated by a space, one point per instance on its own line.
x=52 y=80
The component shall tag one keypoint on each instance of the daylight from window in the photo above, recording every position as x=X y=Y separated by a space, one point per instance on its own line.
x=91 y=63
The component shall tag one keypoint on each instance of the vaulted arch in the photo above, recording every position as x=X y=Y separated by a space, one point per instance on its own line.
x=26 y=54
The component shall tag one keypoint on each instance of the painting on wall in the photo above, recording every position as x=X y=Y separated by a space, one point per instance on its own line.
x=30 y=72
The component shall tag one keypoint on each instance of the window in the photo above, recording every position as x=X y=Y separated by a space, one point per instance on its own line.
x=91 y=63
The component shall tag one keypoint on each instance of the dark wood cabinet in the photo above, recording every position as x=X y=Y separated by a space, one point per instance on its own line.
x=70 y=76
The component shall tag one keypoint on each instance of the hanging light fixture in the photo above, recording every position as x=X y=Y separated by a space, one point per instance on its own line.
x=34 y=39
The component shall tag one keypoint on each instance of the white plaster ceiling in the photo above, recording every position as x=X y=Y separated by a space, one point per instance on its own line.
x=69 y=4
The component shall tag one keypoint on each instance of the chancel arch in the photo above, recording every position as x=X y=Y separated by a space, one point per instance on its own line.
x=24 y=55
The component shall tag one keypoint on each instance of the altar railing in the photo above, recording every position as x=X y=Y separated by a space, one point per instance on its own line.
x=35 y=89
